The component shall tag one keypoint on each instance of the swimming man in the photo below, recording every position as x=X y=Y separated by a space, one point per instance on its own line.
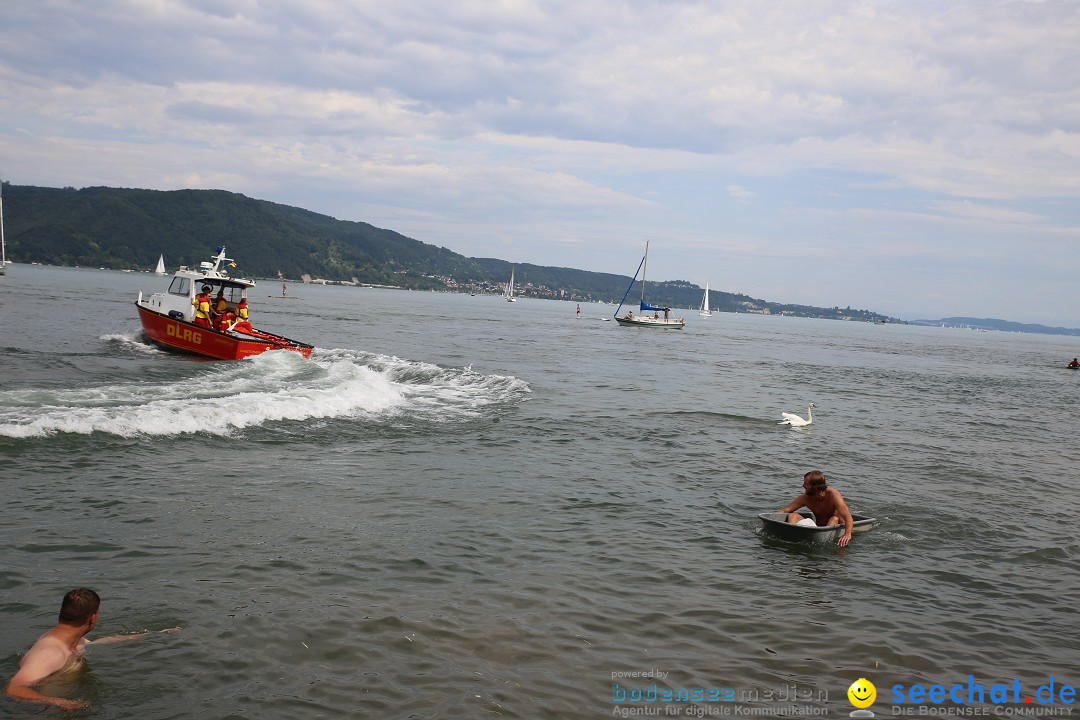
x=61 y=649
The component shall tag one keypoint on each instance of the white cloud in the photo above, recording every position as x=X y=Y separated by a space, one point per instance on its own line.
x=975 y=211
x=740 y=194
x=574 y=124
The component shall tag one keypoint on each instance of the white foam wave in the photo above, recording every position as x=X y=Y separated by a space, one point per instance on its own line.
x=448 y=392
x=132 y=341
x=273 y=387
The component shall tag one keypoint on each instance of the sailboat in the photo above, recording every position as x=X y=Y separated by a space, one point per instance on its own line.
x=160 y=269
x=509 y=294
x=644 y=319
x=3 y=246
x=705 y=311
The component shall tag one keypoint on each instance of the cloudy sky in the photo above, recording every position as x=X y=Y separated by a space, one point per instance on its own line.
x=917 y=158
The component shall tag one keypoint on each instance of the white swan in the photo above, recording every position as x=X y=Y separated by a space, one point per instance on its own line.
x=795 y=421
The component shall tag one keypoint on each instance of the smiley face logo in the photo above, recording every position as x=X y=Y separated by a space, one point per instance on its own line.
x=862 y=693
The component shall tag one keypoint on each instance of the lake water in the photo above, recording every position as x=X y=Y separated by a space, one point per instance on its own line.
x=466 y=508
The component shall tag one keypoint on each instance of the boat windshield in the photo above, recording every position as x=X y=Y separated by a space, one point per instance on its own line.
x=231 y=292
x=180 y=286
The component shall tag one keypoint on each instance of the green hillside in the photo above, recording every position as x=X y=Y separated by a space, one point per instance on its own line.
x=128 y=228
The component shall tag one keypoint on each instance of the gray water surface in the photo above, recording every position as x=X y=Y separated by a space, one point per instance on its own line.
x=462 y=507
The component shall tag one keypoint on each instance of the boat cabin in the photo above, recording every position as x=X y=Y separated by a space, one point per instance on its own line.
x=176 y=302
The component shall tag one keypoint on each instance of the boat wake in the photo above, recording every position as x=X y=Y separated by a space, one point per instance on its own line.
x=134 y=342
x=274 y=387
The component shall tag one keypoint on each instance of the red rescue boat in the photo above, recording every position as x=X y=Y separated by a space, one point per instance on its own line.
x=168 y=318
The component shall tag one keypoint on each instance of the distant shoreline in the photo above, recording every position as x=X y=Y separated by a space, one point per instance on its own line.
x=969 y=323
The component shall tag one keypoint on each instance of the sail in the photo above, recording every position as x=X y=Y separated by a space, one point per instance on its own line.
x=160 y=269
x=647 y=306
x=509 y=294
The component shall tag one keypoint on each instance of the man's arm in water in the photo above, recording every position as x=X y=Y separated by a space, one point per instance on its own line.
x=111 y=639
x=845 y=515
x=40 y=662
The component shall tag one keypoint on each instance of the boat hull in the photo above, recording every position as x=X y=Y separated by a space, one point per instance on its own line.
x=658 y=323
x=180 y=336
x=776 y=525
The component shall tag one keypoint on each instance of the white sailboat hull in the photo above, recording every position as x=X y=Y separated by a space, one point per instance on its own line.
x=651 y=322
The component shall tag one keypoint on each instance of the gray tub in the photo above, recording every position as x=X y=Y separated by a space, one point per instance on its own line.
x=776 y=524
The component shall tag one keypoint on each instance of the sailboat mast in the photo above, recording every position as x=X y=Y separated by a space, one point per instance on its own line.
x=644 y=269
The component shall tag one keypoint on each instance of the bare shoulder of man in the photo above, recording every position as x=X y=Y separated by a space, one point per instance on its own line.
x=42 y=660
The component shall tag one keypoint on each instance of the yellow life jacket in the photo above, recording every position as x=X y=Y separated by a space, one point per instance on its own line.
x=202 y=306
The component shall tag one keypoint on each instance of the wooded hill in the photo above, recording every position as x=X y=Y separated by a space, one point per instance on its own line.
x=126 y=229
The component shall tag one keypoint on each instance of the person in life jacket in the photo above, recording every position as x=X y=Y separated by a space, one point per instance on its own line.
x=226 y=321
x=202 y=307
x=242 y=323
x=220 y=306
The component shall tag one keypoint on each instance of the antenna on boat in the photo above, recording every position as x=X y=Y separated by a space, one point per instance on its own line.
x=220 y=258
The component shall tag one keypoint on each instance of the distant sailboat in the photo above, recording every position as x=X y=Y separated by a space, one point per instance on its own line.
x=160 y=270
x=644 y=319
x=705 y=311
x=3 y=246
x=509 y=295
